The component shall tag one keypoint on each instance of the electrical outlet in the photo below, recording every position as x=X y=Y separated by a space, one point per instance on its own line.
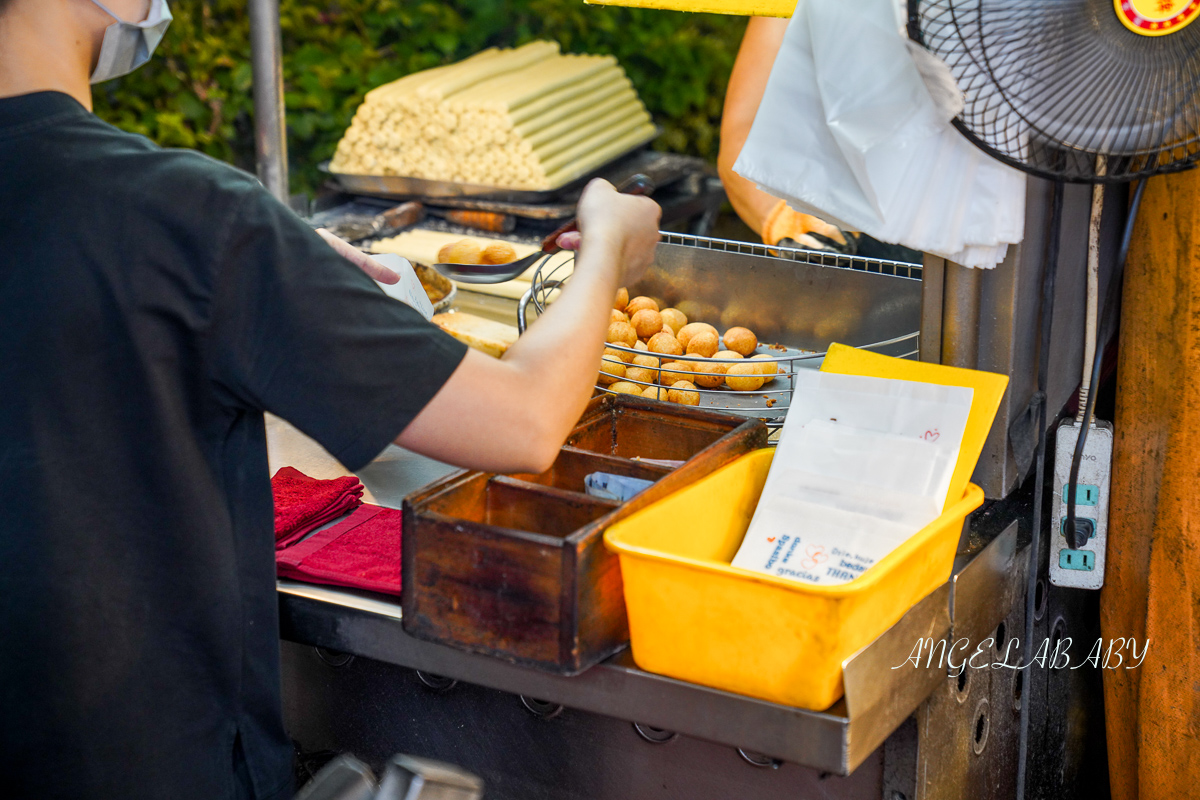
x=1078 y=567
x=1077 y=559
x=1085 y=527
x=1085 y=493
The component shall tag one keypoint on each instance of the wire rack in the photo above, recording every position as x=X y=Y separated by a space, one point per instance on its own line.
x=771 y=401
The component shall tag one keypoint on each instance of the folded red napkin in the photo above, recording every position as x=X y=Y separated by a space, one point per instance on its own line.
x=303 y=504
x=362 y=552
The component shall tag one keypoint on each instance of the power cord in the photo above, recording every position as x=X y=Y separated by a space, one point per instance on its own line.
x=1108 y=321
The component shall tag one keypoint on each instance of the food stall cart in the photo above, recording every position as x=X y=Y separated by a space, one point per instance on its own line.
x=356 y=681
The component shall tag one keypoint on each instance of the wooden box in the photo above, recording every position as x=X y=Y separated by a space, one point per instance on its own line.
x=515 y=566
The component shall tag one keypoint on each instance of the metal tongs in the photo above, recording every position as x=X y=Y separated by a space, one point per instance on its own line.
x=638 y=184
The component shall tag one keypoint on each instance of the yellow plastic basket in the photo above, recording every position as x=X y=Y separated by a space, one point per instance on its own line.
x=694 y=617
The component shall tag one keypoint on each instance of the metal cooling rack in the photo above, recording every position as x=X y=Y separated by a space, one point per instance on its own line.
x=771 y=402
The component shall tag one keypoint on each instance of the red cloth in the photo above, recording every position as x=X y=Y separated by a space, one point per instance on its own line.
x=361 y=552
x=303 y=504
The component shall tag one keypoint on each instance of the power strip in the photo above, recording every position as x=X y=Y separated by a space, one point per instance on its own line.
x=1081 y=567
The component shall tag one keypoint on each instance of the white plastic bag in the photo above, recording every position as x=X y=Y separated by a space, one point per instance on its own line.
x=848 y=131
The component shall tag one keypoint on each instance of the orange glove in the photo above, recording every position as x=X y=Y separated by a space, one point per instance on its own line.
x=784 y=223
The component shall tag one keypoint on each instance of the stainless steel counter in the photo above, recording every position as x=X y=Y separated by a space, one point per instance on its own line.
x=878 y=698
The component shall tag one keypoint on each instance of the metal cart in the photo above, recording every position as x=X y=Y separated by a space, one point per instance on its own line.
x=355 y=682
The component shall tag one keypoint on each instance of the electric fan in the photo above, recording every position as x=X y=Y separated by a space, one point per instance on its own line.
x=1087 y=91
x=1075 y=90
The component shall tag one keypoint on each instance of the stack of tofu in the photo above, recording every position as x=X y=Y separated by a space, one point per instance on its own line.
x=524 y=118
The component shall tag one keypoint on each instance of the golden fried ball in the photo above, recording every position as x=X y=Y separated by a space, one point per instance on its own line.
x=618 y=316
x=621 y=333
x=724 y=355
x=610 y=372
x=676 y=371
x=625 y=387
x=744 y=377
x=675 y=318
x=646 y=322
x=640 y=345
x=691 y=329
x=684 y=393
x=620 y=355
x=498 y=253
x=649 y=362
x=464 y=251
x=709 y=374
x=704 y=343
x=769 y=369
x=741 y=340
x=641 y=374
x=638 y=303
x=655 y=393
x=622 y=299
x=664 y=343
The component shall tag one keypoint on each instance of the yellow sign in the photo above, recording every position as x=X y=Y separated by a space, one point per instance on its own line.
x=1156 y=17
x=746 y=8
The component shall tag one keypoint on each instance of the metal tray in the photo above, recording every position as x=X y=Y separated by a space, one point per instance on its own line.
x=400 y=187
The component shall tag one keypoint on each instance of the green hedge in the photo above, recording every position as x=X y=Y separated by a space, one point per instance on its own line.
x=197 y=91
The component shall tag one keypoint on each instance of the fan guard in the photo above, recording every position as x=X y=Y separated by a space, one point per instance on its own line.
x=1075 y=90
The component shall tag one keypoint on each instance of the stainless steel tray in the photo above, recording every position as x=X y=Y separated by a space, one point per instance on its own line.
x=400 y=187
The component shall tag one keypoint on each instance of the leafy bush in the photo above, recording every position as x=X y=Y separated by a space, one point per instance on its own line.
x=197 y=91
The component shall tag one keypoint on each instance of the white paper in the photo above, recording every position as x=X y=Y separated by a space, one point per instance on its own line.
x=928 y=411
x=862 y=464
x=849 y=131
x=409 y=290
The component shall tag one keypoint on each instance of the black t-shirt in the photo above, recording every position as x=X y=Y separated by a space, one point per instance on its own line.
x=153 y=304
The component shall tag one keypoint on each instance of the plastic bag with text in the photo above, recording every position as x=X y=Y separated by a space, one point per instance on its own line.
x=862 y=464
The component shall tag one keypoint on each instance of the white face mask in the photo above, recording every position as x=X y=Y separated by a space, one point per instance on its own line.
x=128 y=45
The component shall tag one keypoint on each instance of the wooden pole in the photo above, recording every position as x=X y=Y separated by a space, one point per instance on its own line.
x=1152 y=587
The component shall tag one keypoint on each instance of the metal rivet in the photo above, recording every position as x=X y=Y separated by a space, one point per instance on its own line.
x=759 y=760
x=540 y=708
x=654 y=735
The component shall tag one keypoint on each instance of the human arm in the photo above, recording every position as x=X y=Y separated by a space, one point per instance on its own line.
x=747 y=83
x=374 y=270
x=769 y=217
x=513 y=414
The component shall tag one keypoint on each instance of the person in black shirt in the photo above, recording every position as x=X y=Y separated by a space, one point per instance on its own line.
x=153 y=305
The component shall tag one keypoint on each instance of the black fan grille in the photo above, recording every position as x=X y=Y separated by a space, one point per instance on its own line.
x=1061 y=89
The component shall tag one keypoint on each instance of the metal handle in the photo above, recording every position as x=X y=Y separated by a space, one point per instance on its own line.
x=523 y=303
